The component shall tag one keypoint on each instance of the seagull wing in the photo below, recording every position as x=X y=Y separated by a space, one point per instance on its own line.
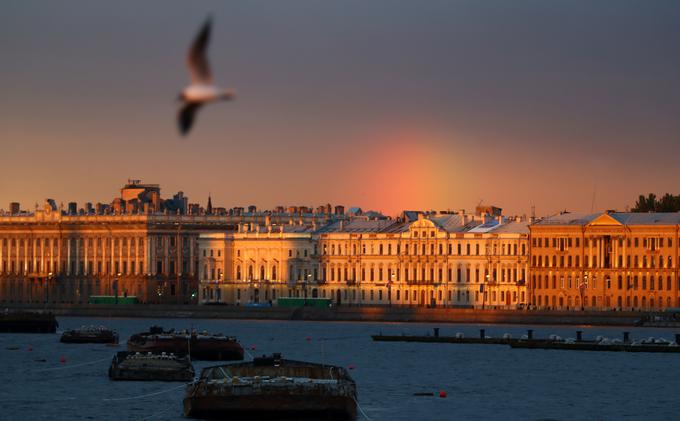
x=185 y=117
x=197 y=60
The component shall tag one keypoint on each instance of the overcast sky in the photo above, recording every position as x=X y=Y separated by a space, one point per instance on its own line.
x=381 y=104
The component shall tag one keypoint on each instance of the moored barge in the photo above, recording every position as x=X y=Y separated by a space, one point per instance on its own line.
x=199 y=345
x=150 y=366
x=90 y=335
x=27 y=322
x=272 y=388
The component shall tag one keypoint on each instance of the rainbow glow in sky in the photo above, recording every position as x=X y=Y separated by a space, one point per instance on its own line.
x=383 y=105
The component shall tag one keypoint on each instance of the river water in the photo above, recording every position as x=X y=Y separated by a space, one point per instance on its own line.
x=481 y=381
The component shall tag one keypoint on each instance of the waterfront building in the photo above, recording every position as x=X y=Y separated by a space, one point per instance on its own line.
x=613 y=260
x=418 y=260
x=139 y=245
x=257 y=263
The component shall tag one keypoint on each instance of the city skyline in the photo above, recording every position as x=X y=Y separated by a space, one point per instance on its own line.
x=382 y=106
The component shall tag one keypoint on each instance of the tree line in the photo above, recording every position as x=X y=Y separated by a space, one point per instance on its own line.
x=650 y=203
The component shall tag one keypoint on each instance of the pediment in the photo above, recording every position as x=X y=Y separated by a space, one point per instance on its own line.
x=605 y=219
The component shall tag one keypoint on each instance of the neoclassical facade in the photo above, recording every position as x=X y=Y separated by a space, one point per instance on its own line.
x=624 y=261
x=139 y=245
x=257 y=264
x=49 y=256
x=434 y=260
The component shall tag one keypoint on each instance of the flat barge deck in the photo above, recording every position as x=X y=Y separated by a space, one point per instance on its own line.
x=27 y=322
x=527 y=341
x=271 y=388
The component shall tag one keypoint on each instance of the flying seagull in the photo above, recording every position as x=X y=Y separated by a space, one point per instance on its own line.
x=201 y=90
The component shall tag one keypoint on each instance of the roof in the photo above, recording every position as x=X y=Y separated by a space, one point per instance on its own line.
x=513 y=227
x=568 y=218
x=357 y=226
x=625 y=218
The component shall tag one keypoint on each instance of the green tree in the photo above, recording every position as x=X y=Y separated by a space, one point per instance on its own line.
x=649 y=203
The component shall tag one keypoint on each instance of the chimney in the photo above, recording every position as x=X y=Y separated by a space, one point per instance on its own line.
x=342 y=226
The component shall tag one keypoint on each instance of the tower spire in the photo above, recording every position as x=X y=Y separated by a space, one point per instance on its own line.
x=209 y=209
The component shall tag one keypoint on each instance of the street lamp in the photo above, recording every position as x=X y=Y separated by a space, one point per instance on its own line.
x=582 y=289
x=389 y=288
x=47 y=287
x=482 y=289
x=115 y=286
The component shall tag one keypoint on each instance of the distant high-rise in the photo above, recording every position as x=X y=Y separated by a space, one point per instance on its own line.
x=72 y=208
x=14 y=208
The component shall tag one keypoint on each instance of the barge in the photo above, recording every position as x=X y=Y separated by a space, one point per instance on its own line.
x=27 y=322
x=272 y=388
x=90 y=335
x=150 y=366
x=458 y=338
x=658 y=345
x=199 y=345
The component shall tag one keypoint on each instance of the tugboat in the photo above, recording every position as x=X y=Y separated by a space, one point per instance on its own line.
x=90 y=335
x=151 y=366
x=27 y=322
x=272 y=388
x=199 y=345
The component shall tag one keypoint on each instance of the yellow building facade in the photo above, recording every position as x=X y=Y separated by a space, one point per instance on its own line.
x=434 y=260
x=610 y=261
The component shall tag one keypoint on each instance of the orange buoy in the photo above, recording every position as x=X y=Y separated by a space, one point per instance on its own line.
x=350 y=367
x=442 y=393
x=252 y=347
x=29 y=349
x=62 y=359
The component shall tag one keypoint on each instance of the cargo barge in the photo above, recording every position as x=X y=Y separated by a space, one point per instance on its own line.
x=90 y=335
x=658 y=345
x=458 y=338
x=272 y=388
x=199 y=345
x=27 y=322
x=150 y=366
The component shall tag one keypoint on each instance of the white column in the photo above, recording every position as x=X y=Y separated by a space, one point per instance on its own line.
x=191 y=255
x=87 y=269
x=119 y=256
x=137 y=260
x=52 y=266
x=166 y=252
x=34 y=254
x=147 y=254
x=152 y=255
x=42 y=255
x=129 y=254
x=59 y=246
x=77 y=270
x=68 y=256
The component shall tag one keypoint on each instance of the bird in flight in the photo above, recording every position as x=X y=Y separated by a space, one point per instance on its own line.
x=201 y=90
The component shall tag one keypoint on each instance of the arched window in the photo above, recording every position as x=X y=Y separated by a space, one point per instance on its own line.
x=261 y=272
x=250 y=272
x=274 y=272
x=238 y=272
